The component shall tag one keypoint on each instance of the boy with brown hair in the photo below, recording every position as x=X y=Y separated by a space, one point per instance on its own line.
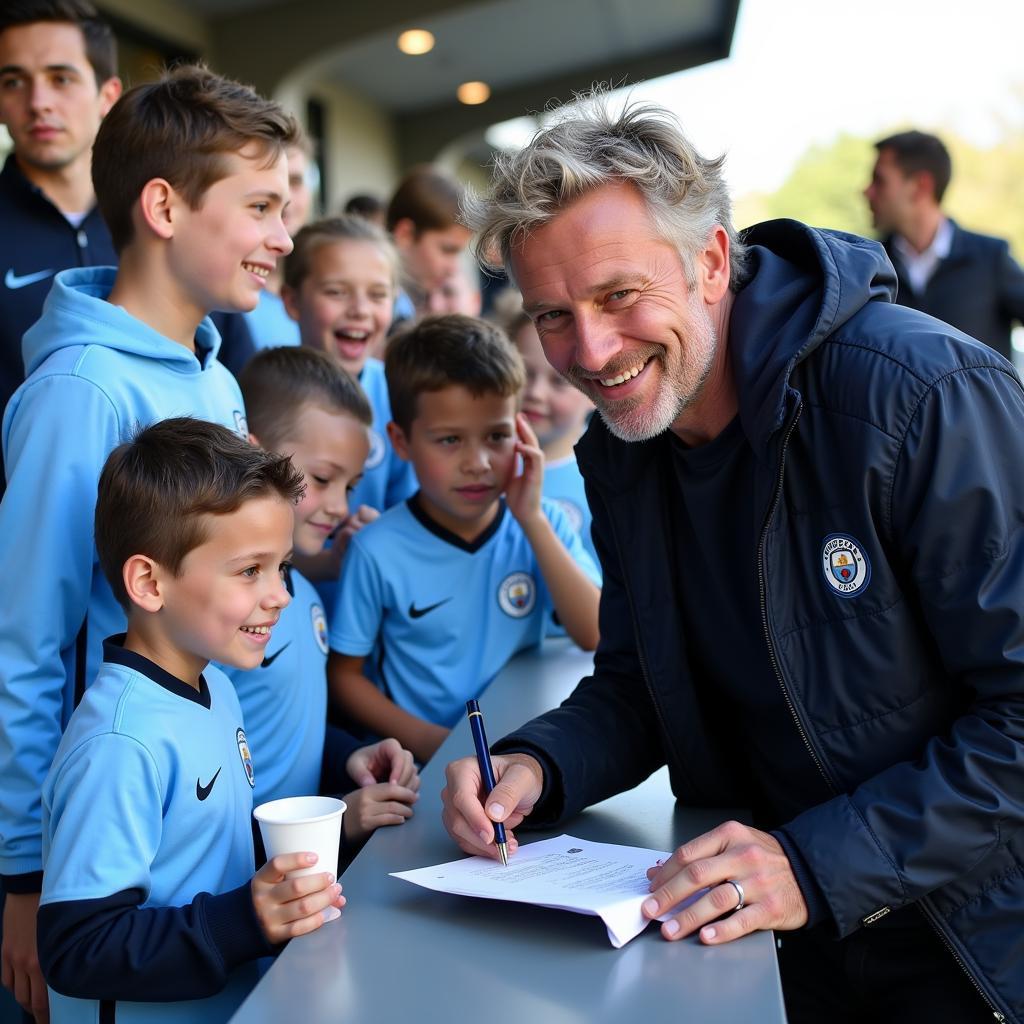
x=162 y=906
x=191 y=177
x=303 y=405
x=447 y=586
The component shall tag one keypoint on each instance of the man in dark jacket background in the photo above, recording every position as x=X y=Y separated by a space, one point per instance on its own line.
x=807 y=503
x=969 y=280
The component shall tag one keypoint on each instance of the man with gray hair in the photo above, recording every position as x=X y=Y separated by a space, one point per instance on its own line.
x=807 y=502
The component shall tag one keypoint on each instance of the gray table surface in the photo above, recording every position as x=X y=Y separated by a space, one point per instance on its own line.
x=402 y=953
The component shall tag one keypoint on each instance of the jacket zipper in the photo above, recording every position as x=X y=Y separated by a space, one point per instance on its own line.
x=763 y=590
x=925 y=908
x=932 y=918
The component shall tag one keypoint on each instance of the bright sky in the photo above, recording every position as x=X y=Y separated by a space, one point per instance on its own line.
x=803 y=71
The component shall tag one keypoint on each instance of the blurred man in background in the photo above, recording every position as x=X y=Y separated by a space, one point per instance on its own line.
x=969 y=280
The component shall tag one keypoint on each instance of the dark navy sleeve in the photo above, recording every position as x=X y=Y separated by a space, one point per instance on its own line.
x=817 y=905
x=29 y=882
x=338 y=747
x=111 y=948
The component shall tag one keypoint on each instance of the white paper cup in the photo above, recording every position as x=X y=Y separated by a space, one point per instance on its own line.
x=297 y=824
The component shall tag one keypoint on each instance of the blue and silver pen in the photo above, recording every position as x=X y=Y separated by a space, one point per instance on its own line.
x=483 y=758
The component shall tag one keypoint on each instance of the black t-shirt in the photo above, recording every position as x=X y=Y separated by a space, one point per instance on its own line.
x=715 y=540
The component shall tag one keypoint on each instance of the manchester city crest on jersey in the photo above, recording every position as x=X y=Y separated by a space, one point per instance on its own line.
x=517 y=595
x=845 y=566
x=319 y=627
x=241 y=424
x=243 y=753
x=377 y=450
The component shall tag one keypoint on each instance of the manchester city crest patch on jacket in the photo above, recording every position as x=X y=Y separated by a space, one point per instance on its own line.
x=846 y=567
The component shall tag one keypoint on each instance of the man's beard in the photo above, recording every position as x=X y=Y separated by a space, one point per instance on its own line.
x=640 y=418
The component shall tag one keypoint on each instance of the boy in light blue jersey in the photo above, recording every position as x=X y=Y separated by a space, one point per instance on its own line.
x=558 y=413
x=150 y=908
x=190 y=176
x=304 y=405
x=443 y=589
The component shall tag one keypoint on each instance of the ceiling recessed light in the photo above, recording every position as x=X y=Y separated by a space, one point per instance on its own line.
x=416 y=41
x=472 y=93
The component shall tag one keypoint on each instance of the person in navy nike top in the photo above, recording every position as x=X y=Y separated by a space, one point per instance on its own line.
x=162 y=906
x=58 y=79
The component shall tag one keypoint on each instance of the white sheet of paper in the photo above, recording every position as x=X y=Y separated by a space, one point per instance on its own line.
x=566 y=873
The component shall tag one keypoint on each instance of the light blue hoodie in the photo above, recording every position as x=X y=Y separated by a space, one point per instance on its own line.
x=95 y=374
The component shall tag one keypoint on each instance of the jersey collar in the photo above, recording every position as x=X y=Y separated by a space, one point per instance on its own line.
x=114 y=652
x=470 y=547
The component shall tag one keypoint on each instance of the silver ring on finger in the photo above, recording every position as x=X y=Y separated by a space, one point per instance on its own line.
x=739 y=892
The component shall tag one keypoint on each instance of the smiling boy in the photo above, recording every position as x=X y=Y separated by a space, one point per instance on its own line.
x=303 y=405
x=161 y=906
x=191 y=177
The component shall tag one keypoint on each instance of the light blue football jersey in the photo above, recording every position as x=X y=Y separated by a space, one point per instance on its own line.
x=442 y=616
x=284 y=701
x=563 y=484
x=151 y=790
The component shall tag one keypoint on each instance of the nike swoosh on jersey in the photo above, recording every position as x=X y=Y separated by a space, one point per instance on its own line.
x=418 y=613
x=202 y=792
x=271 y=658
x=13 y=280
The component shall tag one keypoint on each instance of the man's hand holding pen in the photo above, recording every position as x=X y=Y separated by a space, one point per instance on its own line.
x=518 y=784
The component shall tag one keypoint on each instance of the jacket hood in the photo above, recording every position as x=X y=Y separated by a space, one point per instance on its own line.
x=76 y=313
x=805 y=284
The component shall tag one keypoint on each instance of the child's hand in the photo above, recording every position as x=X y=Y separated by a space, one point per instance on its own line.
x=383 y=803
x=523 y=491
x=385 y=761
x=286 y=907
x=350 y=526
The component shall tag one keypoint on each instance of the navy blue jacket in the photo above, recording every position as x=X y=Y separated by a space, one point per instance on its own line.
x=873 y=422
x=978 y=288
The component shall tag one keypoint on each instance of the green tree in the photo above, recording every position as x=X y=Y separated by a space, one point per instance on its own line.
x=824 y=188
